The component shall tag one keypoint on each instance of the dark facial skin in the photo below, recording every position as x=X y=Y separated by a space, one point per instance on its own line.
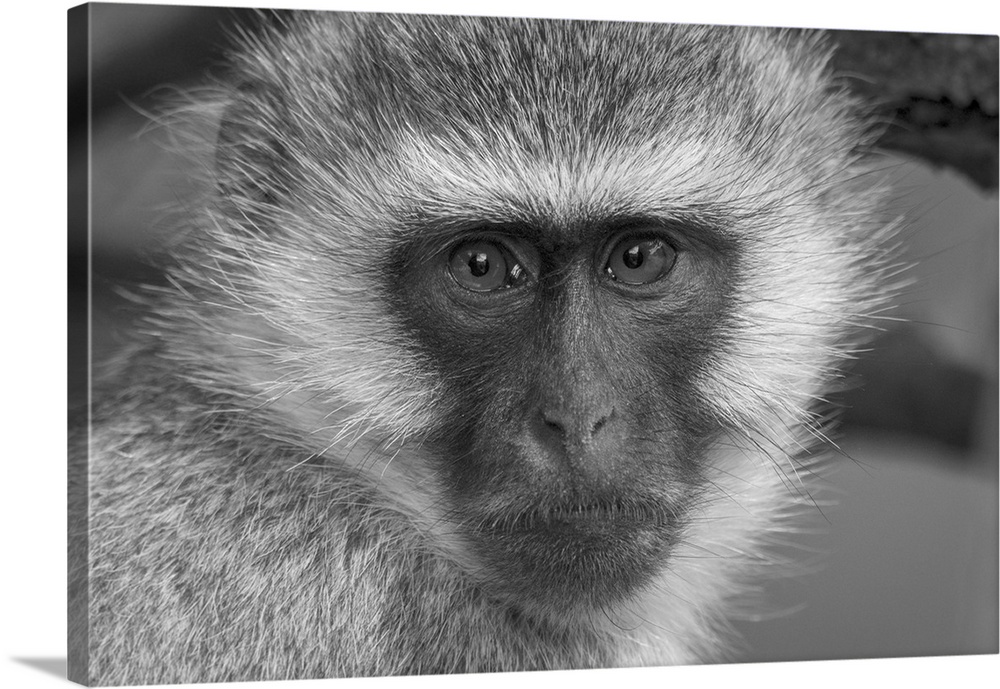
x=572 y=442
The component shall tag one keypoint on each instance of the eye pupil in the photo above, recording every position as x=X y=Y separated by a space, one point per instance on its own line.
x=632 y=258
x=479 y=265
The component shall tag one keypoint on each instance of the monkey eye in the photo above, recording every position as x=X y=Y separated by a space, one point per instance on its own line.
x=483 y=266
x=639 y=260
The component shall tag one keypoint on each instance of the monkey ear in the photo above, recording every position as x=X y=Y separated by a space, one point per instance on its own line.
x=249 y=157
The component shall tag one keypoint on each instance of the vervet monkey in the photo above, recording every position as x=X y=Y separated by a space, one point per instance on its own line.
x=501 y=344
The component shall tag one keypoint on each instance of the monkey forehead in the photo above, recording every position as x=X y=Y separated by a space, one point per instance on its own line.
x=530 y=120
x=548 y=83
x=564 y=196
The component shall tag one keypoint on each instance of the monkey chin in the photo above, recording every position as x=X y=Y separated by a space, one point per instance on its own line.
x=575 y=555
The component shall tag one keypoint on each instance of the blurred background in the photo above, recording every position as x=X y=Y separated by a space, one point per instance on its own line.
x=902 y=559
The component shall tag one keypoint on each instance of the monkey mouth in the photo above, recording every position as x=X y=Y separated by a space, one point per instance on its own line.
x=595 y=516
x=611 y=511
x=585 y=551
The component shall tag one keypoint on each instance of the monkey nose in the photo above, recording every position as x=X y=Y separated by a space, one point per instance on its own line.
x=579 y=439
x=574 y=424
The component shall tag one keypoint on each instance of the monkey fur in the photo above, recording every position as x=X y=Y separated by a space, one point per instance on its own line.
x=333 y=452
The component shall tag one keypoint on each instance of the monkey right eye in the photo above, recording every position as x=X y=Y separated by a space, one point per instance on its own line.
x=484 y=266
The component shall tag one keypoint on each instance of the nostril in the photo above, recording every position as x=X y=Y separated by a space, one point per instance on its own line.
x=599 y=424
x=552 y=424
x=580 y=427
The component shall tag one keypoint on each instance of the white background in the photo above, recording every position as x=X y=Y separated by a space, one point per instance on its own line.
x=32 y=258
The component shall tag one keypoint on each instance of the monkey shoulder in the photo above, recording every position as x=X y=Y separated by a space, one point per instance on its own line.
x=221 y=553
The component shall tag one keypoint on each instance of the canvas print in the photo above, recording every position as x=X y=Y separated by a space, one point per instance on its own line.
x=420 y=344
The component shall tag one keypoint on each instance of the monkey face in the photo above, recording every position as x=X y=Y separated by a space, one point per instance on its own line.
x=572 y=444
x=562 y=290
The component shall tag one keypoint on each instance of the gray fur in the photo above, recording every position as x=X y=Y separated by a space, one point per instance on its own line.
x=259 y=504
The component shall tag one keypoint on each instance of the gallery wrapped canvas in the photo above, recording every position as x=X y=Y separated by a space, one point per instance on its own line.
x=439 y=344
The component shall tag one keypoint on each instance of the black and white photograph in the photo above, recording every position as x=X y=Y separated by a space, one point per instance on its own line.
x=419 y=343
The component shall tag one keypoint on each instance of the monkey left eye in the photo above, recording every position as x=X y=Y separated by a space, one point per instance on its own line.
x=482 y=266
x=639 y=261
